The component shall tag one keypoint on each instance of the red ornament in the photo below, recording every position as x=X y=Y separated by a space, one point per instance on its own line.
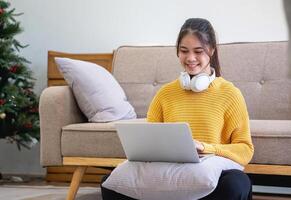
x=33 y=110
x=27 y=125
x=2 y=101
x=1 y=11
x=13 y=68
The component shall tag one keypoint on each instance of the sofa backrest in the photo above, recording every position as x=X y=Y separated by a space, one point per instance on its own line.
x=258 y=69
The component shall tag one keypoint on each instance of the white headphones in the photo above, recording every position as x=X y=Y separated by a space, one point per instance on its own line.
x=198 y=83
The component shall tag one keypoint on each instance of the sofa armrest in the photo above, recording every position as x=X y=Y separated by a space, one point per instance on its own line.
x=57 y=108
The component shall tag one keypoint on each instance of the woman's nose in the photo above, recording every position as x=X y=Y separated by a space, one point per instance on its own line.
x=191 y=57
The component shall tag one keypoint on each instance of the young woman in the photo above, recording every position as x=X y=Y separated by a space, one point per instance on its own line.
x=214 y=108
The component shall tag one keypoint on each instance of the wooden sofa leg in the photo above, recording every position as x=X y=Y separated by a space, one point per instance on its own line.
x=76 y=179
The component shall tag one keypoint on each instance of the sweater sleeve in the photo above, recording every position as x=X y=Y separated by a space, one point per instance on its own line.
x=155 y=111
x=235 y=134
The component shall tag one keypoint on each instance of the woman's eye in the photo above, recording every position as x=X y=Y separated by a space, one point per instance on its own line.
x=199 y=52
x=183 y=51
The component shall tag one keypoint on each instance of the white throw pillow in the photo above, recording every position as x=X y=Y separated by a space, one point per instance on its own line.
x=168 y=181
x=98 y=94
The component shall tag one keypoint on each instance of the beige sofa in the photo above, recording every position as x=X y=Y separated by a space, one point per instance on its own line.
x=258 y=69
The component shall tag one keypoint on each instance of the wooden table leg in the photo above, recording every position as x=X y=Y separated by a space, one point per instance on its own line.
x=76 y=179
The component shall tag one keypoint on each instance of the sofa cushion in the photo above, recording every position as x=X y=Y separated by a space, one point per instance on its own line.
x=261 y=73
x=98 y=94
x=269 y=136
x=73 y=142
x=271 y=139
x=141 y=71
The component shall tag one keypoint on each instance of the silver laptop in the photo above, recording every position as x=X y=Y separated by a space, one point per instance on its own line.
x=158 y=142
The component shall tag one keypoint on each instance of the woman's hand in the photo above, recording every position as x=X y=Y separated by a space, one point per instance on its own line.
x=199 y=146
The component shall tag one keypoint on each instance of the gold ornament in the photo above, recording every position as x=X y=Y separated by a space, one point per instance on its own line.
x=2 y=115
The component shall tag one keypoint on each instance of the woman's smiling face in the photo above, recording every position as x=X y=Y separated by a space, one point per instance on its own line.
x=193 y=56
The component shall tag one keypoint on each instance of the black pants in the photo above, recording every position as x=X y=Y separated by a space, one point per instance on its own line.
x=232 y=185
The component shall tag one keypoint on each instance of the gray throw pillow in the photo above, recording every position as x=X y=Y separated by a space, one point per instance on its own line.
x=168 y=181
x=97 y=93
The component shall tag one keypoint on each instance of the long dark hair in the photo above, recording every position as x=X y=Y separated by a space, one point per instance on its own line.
x=204 y=31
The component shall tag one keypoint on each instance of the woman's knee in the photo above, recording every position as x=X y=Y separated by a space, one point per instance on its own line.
x=236 y=184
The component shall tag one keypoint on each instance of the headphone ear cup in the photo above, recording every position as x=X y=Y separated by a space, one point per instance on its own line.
x=185 y=81
x=200 y=82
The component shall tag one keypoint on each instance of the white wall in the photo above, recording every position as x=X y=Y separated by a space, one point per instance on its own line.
x=85 y=26
x=25 y=161
x=101 y=26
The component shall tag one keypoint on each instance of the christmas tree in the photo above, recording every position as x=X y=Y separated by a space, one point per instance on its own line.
x=19 y=119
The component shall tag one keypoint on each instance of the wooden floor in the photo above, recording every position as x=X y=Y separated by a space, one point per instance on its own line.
x=40 y=181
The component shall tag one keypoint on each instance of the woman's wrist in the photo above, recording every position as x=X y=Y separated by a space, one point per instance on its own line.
x=199 y=146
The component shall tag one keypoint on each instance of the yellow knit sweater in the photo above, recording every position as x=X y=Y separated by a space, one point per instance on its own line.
x=218 y=117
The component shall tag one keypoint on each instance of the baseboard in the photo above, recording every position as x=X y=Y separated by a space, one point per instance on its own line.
x=258 y=189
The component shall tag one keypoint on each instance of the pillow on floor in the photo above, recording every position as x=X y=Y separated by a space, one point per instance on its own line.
x=97 y=93
x=168 y=181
